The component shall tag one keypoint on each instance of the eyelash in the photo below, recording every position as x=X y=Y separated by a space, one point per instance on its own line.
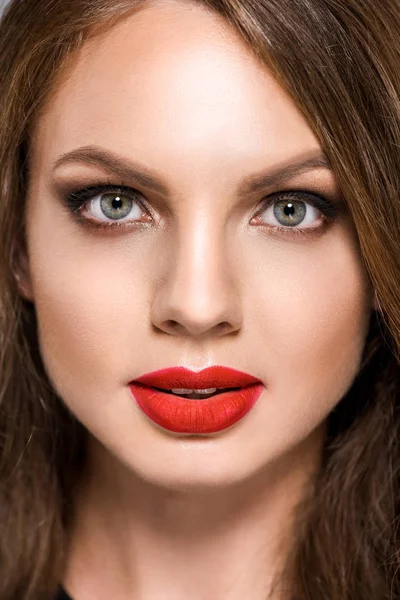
x=75 y=200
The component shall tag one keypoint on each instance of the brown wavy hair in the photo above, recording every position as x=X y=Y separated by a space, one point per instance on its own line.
x=340 y=62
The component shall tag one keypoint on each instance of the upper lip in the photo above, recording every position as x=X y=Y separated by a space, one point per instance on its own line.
x=212 y=377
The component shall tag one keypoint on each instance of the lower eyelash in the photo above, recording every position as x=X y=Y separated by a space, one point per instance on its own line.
x=309 y=232
x=76 y=199
x=329 y=214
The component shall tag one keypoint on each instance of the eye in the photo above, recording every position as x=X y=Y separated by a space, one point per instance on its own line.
x=286 y=211
x=106 y=205
x=113 y=206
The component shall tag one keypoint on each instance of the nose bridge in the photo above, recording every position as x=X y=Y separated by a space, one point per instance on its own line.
x=198 y=293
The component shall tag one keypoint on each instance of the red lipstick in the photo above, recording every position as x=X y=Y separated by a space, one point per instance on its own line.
x=189 y=415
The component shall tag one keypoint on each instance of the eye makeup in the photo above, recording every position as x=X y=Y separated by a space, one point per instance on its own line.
x=329 y=212
x=76 y=201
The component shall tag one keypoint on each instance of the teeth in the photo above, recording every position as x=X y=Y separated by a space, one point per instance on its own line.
x=184 y=391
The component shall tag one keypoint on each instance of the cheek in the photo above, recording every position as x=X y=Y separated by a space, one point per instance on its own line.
x=90 y=299
x=81 y=331
x=313 y=324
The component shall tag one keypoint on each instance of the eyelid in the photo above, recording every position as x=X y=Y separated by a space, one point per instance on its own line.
x=328 y=208
x=330 y=212
x=76 y=199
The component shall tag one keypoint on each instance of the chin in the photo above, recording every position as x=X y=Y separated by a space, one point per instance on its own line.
x=195 y=465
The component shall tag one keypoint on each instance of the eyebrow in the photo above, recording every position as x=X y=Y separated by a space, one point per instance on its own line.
x=129 y=170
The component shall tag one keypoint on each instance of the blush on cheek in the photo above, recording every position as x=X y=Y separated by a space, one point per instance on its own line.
x=89 y=331
x=333 y=361
x=315 y=329
x=71 y=331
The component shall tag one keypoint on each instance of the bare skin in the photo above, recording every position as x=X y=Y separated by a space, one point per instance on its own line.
x=201 y=279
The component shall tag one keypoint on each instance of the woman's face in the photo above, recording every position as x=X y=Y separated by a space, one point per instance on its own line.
x=201 y=276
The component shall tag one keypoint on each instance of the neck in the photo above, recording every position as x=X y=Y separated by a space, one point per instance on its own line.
x=133 y=539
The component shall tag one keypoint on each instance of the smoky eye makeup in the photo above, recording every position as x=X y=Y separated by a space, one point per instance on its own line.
x=112 y=199
x=107 y=206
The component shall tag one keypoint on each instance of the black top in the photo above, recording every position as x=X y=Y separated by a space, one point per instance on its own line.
x=62 y=594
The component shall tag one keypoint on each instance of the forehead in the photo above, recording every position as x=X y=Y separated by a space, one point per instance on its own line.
x=173 y=79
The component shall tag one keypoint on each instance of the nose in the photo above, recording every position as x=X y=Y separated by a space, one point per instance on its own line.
x=198 y=295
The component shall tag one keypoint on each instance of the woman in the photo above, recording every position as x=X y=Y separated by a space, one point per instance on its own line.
x=198 y=196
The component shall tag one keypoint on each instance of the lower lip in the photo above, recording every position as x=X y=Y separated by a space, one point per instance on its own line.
x=185 y=415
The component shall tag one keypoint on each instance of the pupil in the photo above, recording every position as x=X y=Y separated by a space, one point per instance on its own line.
x=116 y=203
x=289 y=210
